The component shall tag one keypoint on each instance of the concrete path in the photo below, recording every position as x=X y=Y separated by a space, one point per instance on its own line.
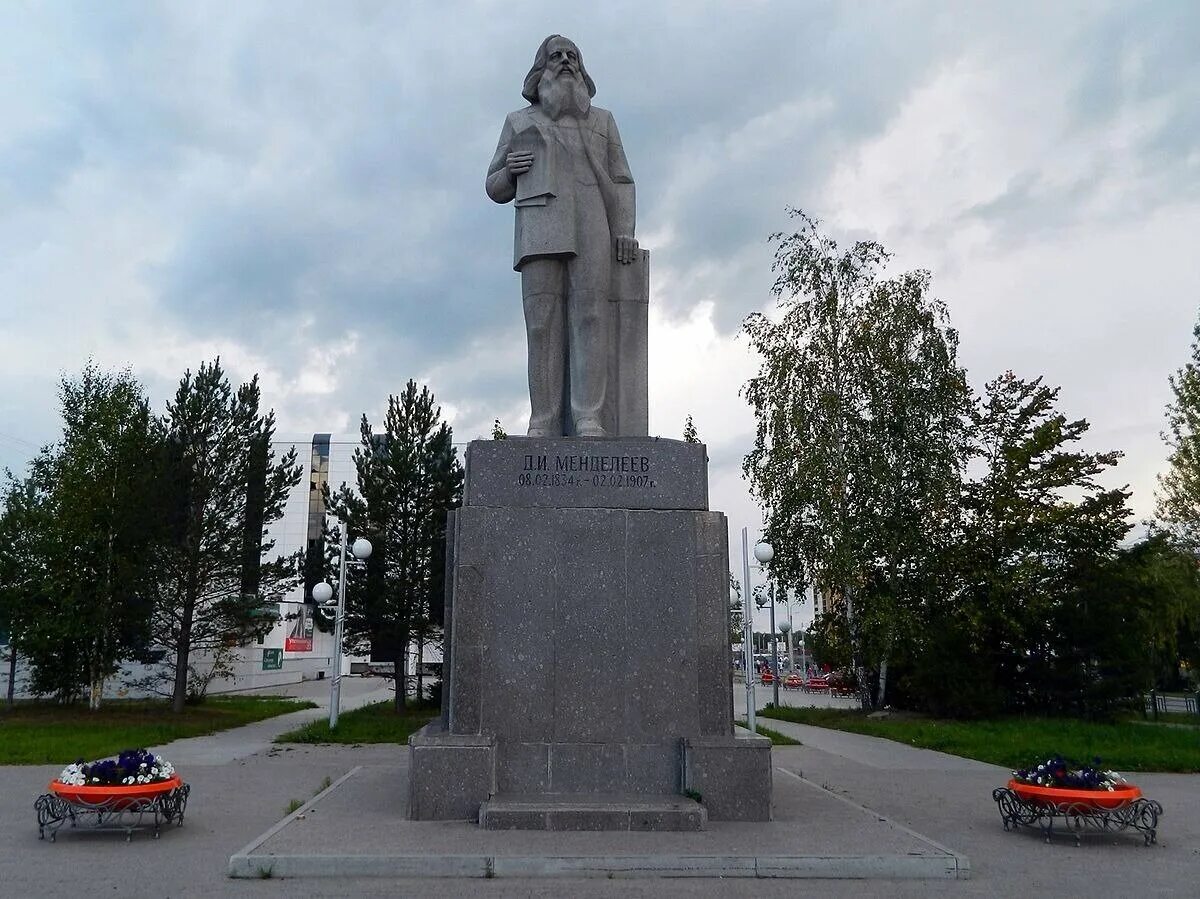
x=353 y=829
x=235 y=801
x=792 y=698
x=240 y=742
x=875 y=752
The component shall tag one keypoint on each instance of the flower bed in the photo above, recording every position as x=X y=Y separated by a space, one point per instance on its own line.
x=1063 y=796
x=120 y=793
x=1080 y=796
x=134 y=775
x=1058 y=773
x=116 y=796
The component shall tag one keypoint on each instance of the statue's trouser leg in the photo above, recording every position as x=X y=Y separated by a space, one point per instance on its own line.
x=542 y=292
x=588 y=327
x=588 y=274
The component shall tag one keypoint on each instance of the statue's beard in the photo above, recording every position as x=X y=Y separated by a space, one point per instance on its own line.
x=563 y=95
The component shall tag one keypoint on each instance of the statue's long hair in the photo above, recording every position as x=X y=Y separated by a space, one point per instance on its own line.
x=530 y=89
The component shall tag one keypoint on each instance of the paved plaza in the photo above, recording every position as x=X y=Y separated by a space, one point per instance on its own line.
x=844 y=794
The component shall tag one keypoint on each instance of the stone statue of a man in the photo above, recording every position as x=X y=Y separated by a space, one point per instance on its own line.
x=561 y=160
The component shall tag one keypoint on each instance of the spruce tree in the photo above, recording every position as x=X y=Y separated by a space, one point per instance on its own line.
x=1039 y=535
x=689 y=431
x=408 y=478
x=226 y=488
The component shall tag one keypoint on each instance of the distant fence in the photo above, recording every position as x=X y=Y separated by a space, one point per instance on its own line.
x=1155 y=703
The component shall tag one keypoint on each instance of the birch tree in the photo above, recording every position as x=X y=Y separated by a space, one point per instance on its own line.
x=1178 y=495
x=859 y=405
x=89 y=531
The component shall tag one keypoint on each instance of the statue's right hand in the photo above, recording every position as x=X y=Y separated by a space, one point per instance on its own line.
x=519 y=163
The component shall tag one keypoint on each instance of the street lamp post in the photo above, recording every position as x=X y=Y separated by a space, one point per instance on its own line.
x=764 y=554
x=748 y=631
x=774 y=648
x=803 y=656
x=785 y=628
x=323 y=593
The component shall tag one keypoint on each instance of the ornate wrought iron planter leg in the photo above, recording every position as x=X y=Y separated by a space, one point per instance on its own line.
x=1140 y=814
x=118 y=813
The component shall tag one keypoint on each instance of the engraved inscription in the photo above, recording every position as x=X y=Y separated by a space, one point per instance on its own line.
x=580 y=470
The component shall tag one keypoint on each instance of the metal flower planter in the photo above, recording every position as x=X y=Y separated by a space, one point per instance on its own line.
x=1102 y=811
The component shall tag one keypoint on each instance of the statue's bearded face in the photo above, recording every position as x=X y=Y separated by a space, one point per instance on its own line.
x=561 y=90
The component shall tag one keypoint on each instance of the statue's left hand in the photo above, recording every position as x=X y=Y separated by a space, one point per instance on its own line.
x=627 y=248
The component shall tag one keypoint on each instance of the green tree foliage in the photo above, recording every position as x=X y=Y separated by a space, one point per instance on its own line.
x=1178 y=497
x=1160 y=581
x=408 y=478
x=225 y=489
x=85 y=529
x=498 y=432
x=829 y=640
x=21 y=570
x=689 y=431
x=1036 y=552
x=859 y=406
x=969 y=543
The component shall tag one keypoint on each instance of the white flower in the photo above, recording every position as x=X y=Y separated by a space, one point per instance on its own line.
x=72 y=775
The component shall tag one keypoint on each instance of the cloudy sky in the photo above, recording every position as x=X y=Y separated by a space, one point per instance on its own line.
x=298 y=187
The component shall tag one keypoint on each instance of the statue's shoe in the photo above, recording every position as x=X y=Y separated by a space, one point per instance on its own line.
x=590 y=428
x=544 y=432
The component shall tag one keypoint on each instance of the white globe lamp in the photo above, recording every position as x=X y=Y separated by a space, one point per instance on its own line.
x=322 y=592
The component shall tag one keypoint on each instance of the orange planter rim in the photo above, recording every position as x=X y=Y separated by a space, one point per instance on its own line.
x=97 y=792
x=1057 y=795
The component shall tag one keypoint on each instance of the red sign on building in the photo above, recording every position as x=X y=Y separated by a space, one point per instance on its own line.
x=300 y=637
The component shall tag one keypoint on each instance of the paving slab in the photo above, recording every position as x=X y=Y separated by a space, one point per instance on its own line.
x=235 y=802
x=948 y=799
x=354 y=829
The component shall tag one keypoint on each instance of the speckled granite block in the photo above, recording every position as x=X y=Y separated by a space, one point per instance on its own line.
x=731 y=774
x=451 y=775
x=590 y=639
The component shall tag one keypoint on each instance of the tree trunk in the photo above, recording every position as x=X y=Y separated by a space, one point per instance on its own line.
x=12 y=674
x=402 y=674
x=420 y=668
x=183 y=648
x=883 y=666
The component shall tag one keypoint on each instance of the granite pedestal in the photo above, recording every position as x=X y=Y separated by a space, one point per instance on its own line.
x=587 y=666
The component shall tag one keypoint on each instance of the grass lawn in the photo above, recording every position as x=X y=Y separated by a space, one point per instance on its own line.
x=776 y=738
x=375 y=723
x=1018 y=742
x=44 y=733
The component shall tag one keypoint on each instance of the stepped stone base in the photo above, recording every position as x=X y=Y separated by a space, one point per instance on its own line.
x=550 y=812
x=732 y=775
x=587 y=646
x=450 y=774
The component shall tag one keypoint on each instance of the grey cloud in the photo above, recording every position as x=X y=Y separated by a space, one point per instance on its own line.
x=325 y=162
